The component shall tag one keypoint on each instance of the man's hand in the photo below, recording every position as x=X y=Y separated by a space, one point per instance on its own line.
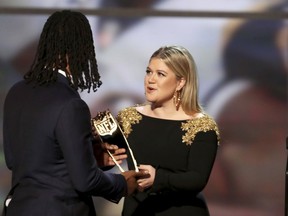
x=103 y=158
x=131 y=177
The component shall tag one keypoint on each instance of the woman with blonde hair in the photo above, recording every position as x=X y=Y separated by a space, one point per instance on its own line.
x=171 y=137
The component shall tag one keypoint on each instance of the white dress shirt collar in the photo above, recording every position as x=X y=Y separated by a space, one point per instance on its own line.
x=62 y=72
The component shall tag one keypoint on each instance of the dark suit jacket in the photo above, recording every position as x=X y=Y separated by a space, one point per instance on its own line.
x=48 y=147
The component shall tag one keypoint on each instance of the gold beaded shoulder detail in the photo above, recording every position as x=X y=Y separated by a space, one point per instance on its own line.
x=126 y=118
x=193 y=126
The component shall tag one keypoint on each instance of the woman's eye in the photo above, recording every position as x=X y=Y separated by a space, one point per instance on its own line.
x=148 y=71
x=161 y=74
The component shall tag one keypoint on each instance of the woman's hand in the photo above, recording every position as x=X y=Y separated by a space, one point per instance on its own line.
x=148 y=180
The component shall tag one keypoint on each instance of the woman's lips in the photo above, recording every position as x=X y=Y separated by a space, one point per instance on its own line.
x=150 y=90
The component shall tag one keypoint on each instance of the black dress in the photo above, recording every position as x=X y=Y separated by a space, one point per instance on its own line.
x=183 y=153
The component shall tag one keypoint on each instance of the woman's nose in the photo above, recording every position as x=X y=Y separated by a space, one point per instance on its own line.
x=151 y=78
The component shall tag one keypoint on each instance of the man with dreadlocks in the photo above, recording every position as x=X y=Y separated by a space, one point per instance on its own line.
x=47 y=130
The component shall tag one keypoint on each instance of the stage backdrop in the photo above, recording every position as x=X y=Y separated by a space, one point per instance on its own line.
x=242 y=66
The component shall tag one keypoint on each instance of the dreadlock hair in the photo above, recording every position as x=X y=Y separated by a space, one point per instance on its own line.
x=66 y=43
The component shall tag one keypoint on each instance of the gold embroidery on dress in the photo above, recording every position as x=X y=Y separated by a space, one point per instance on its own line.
x=126 y=118
x=193 y=126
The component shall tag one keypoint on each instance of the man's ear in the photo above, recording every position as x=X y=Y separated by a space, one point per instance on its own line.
x=181 y=83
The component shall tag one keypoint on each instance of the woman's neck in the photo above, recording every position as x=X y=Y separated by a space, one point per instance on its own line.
x=165 y=112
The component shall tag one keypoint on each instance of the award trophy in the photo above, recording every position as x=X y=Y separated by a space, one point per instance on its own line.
x=109 y=131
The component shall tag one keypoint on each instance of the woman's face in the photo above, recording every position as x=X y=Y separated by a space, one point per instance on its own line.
x=160 y=83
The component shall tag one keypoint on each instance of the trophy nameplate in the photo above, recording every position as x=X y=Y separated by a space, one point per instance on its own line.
x=109 y=131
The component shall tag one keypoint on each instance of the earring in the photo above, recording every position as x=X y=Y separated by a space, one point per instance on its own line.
x=177 y=99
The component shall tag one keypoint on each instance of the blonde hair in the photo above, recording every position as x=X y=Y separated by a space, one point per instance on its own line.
x=181 y=62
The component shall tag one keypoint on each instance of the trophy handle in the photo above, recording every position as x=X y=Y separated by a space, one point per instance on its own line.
x=114 y=160
x=130 y=150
